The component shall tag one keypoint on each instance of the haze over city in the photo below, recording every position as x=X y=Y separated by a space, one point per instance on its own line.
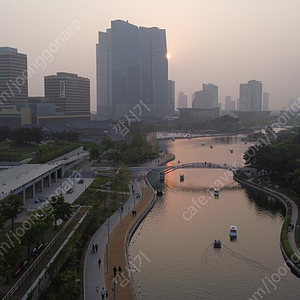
x=223 y=42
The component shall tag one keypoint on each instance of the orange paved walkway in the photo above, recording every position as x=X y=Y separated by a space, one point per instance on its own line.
x=117 y=246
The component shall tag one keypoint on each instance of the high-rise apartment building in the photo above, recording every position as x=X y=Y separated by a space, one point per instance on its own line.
x=13 y=76
x=209 y=87
x=132 y=66
x=203 y=100
x=229 y=104
x=182 y=100
x=265 y=101
x=69 y=92
x=250 y=96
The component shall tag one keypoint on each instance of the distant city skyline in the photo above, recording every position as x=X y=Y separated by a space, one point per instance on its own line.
x=215 y=41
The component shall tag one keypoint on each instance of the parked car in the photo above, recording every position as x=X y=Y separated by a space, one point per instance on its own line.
x=81 y=180
x=43 y=199
x=70 y=191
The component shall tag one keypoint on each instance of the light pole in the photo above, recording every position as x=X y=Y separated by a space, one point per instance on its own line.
x=115 y=281
x=107 y=230
x=134 y=200
x=107 y=258
x=120 y=211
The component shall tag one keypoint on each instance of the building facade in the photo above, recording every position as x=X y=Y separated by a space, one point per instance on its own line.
x=250 y=96
x=132 y=66
x=210 y=87
x=69 y=92
x=182 y=100
x=203 y=100
x=265 y=101
x=229 y=104
x=13 y=76
x=171 y=93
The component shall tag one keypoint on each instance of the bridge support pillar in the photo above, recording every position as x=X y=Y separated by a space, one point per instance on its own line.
x=162 y=176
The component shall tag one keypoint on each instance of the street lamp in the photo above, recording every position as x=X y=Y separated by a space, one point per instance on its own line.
x=107 y=230
x=107 y=258
x=120 y=211
x=115 y=281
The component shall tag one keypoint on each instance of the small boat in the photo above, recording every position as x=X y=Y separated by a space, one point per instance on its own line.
x=159 y=192
x=233 y=232
x=216 y=192
x=217 y=244
x=181 y=177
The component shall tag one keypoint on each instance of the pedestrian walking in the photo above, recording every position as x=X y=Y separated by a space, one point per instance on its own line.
x=106 y=294
x=96 y=248
x=99 y=262
x=93 y=248
x=97 y=290
x=102 y=293
x=115 y=271
x=120 y=270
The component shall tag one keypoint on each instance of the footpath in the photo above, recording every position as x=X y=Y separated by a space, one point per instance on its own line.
x=113 y=239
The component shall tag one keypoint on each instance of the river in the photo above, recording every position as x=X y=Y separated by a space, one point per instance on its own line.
x=173 y=247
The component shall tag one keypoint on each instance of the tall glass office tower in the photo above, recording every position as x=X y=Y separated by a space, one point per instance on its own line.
x=131 y=66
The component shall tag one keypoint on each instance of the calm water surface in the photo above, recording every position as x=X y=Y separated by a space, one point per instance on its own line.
x=173 y=246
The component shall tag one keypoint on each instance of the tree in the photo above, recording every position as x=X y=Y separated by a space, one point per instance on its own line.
x=61 y=209
x=11 y=207
x=1 y=221
x=11 y=254
x=114 y=155
x=94 y=153
x=30 y=237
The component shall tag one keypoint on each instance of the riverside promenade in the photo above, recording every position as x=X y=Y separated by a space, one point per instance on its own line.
x=119 y=226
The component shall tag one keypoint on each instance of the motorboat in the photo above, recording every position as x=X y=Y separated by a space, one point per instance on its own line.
x=181 y=177
x=216 y=192
x=217 y=244
x=233 y=232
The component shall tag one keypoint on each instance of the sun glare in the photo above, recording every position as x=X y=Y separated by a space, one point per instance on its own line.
x=168 y=55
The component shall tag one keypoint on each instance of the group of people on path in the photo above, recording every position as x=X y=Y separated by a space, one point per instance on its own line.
x=115 y=270
x=103 y=292
x=94 y=248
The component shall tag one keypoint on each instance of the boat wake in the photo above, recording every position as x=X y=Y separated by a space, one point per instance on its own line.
x=247 y=260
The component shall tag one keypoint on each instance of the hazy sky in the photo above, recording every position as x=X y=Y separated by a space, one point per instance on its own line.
x=223 y=42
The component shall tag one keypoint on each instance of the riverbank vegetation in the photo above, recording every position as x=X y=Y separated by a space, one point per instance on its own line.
x=277 y=162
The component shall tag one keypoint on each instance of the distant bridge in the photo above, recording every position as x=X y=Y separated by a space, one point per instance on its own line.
x=196 y=165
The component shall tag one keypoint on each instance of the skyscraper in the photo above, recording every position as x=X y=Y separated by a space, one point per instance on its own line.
x=182 y=100
x=229 y=104
x=131 y=66
x=13 y=76
x=171 y=93
x=203 y=99
x=69 y=92
x=250 y=96
x=265 y=101
x=209 y=87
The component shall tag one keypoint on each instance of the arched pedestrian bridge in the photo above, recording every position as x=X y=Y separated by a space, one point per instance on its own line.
x=196 y=165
